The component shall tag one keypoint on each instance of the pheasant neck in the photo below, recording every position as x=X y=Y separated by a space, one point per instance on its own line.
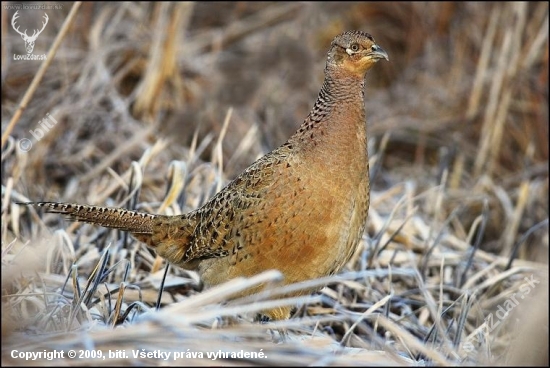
x=337 y=120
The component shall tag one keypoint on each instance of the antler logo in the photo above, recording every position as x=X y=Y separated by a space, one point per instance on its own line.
x=29 y=40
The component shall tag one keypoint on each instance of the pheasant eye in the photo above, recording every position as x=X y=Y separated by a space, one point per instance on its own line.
x=355 y=47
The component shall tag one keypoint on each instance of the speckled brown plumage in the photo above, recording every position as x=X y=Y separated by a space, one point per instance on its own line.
x=300 y=209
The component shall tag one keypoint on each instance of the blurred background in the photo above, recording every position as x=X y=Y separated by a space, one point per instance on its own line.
x=465 y=92
x=155 y=106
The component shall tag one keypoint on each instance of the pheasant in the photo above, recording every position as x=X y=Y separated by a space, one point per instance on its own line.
x=301 y=208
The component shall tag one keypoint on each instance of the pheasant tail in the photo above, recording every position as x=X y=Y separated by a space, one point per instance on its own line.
x=140 y=224
x=171 y=237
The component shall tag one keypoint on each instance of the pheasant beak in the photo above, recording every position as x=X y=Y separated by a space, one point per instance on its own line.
x=378 y=53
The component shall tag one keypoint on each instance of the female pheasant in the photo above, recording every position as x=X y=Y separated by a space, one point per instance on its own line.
x=300 y=209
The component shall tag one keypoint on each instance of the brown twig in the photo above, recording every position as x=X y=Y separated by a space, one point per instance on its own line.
x=40 y=74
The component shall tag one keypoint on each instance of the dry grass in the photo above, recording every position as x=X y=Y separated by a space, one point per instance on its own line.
x=158 y=105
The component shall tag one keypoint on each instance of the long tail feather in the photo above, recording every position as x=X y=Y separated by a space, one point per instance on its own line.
x=116 y=218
